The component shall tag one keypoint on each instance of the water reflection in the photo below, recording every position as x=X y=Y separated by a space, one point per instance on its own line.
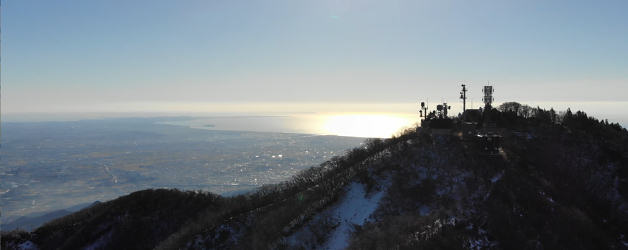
x=366 y=125
x=379 y=125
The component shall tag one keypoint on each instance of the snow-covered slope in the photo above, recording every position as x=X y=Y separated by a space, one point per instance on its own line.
x=353 y=209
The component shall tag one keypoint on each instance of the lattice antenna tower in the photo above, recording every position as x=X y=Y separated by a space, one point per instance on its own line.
x=488 y=96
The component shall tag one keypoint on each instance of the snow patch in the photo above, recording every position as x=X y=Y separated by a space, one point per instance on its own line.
x=497 y=177
x=27 y=245
x=433 y=229
x=480 y=242
x=354 y=209
x=547 y=197
x=622 y=240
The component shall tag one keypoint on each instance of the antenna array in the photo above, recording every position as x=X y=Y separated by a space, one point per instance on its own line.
x=488 y=96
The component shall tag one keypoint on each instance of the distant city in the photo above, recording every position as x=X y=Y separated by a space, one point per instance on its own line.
x=47 y=166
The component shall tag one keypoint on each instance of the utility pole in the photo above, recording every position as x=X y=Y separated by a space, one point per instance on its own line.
x=463 y=96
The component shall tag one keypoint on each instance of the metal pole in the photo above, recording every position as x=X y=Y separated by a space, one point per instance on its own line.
x=463 y=96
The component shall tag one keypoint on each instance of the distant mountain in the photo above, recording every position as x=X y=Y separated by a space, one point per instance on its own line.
x=29 y=223
x=33 y=221
x=549 y=181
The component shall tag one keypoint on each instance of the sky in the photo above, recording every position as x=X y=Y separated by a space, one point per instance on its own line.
x=160 y=56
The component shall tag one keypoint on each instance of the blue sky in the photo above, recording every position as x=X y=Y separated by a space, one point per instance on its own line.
x=102 y=55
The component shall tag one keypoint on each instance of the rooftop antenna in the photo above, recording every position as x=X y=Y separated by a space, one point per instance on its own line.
x=463 y=96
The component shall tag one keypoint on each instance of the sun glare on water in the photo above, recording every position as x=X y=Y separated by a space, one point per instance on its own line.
x=366 y=125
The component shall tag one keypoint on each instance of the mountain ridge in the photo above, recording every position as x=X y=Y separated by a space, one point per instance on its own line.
x=559 y=180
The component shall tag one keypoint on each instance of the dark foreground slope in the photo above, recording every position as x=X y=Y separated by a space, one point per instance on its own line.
x=556 y=184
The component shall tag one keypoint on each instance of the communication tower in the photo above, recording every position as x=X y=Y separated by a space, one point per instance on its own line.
x=488 y=96
x=442 y=110
x=463 y=96
x=423 y=110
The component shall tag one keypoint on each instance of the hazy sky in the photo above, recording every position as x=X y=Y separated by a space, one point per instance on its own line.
x=111 y=55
